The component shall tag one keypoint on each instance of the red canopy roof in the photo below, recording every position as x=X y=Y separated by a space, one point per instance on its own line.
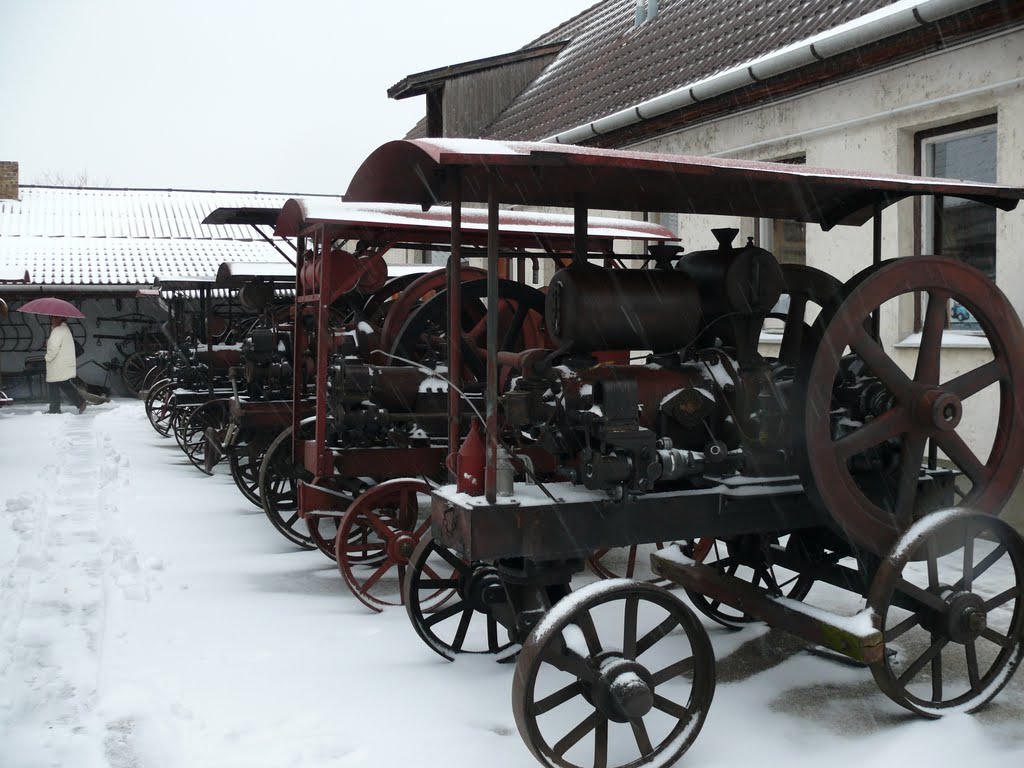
x=385 y=222
x=538 y=174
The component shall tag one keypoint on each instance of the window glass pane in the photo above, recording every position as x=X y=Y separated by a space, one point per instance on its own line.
x=964 y=230
x=788 y=241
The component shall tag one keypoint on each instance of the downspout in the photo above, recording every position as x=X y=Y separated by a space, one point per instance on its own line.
x=870 y=28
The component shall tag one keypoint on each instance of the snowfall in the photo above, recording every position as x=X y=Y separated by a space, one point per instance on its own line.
x=151 y=617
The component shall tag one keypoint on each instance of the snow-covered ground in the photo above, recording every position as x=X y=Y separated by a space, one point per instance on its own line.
x=151 y=617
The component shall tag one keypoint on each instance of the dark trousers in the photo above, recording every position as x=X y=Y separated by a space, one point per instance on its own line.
x=70 y=392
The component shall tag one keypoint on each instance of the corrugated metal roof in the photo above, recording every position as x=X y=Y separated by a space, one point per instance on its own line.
x=124 y=261
x=110 y=237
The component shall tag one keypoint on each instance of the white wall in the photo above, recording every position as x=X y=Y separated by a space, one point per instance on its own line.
x=868 y=124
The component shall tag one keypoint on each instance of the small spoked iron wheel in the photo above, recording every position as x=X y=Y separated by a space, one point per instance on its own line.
x=210 y=415
x=620 y=674
x=633 y=562
x=279 y=486
x=868 y=476
x=376 y=539
x=949 y=601
x=244 y=463
x=460 y=623
x=160 y=406
x=747 y=558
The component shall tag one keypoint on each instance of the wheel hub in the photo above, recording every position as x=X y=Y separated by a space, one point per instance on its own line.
x=401 y=546
x=938 y=409
x=965 y=617
x=483 y=589
x=623 y=689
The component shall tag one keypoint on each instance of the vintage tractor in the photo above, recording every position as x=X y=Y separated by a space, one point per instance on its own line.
x=835 y=459
x=381 y=402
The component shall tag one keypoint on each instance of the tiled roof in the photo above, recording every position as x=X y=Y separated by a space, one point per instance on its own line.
x=610 y=64
x=106 y=237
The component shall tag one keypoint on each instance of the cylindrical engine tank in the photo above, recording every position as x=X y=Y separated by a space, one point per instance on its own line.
x=730 y=280
x=608 y=309
x=392 y=388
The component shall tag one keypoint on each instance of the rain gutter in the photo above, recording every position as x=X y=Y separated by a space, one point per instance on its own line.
x=870 y=28
x=76 y=288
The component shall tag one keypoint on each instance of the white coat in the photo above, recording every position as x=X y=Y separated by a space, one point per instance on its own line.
x=60 y=354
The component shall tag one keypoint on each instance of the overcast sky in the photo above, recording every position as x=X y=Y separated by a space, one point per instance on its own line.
x=284 y=96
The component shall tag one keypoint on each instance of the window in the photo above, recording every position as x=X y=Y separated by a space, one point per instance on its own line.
x=952 y=226
x=786 y=239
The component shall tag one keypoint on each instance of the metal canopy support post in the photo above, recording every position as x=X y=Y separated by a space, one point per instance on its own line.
x=580 y=232
x=323 y=317
x=876 y=259
x=208 y=310
x=299 y=341
x=491 y=466
x=455 y=322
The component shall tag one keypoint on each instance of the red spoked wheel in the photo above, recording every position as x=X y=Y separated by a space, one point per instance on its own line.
x=867 y=474
x=323 y=528
x=423 y=338
x=414 y=294
x=376 y=538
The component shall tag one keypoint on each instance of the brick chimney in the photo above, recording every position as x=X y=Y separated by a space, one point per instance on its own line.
x=8 y=180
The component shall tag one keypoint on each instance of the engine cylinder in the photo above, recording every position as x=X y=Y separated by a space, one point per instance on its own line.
x=731 y=280
x=609 y=309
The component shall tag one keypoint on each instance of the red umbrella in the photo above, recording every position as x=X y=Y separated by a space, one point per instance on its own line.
x=51 y=306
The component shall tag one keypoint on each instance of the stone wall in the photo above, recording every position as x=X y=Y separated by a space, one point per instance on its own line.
x=8 y=180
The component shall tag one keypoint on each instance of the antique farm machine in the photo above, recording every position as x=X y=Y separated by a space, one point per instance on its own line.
x=203 y=331
x=832 y=458
x=372 y=365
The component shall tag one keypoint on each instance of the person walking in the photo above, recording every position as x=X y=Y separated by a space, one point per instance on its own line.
x=61 y=366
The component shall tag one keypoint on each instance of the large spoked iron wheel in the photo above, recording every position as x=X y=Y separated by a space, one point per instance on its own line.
x=133 y=372
x=520 y=317
x=747 y=558
x=466 y=623
x=911 y=410
x=244 y=463
x=160 y=406
x=949 y=601
x=621 y=674
x=211 y=415
x=808 y=291
x=279 y=486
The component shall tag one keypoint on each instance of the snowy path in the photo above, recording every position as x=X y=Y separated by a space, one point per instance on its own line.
x=56 y=592
x=151 y=618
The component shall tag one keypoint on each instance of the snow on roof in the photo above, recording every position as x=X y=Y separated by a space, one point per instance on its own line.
x=10 y=273
x=93 y=236
x=125 y=261
x=148 y=213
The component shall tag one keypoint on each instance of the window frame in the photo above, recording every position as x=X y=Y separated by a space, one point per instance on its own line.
x=763 y=234
x=925 y=209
